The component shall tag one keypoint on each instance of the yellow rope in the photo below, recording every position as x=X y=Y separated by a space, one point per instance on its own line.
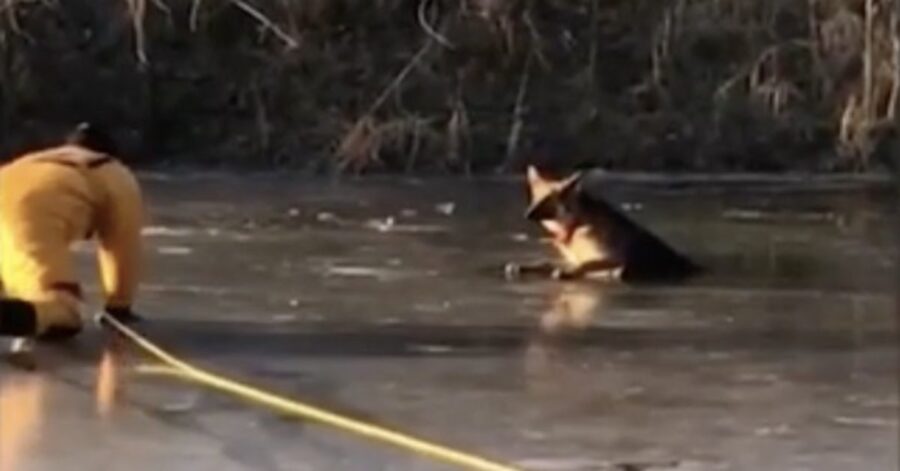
x=189 y=372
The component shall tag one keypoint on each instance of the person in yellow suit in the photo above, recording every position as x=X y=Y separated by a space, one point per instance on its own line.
x=48 y=200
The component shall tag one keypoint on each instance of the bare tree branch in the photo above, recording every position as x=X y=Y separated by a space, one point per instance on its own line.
x=894 y=100
x=400 y=77
x=265 y=21
x=10 y=7
x=137 y=9
x=161 y=5
x=423 y=21
x=869 y=63
x=518 y=122
x=195 y=14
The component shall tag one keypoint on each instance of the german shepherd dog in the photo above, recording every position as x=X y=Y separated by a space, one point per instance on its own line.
x=594 y=239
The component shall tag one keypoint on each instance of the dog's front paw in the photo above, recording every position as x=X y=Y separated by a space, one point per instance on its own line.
x=607 y=275
x=512 y=271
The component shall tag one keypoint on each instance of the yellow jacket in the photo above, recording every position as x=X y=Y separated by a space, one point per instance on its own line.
x=51 y=198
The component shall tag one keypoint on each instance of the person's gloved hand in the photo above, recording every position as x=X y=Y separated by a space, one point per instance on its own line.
x=122 y=314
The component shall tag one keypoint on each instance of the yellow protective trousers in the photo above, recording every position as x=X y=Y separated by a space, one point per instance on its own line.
x=52 y=198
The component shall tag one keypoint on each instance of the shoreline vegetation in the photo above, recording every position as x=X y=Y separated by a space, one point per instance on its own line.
x=461 y=86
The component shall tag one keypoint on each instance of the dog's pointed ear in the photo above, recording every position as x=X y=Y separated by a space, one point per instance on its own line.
x=570 y=182
x=534 y=175
x=541 y=189
x=539 y=185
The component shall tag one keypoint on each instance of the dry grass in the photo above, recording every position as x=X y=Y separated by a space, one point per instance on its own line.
x=366 y=141
x=404 y=85
x=360 y=146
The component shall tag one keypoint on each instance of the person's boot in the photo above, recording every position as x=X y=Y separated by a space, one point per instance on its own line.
x=17 y=318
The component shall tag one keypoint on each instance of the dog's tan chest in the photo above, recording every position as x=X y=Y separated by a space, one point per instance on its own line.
x=583 y=245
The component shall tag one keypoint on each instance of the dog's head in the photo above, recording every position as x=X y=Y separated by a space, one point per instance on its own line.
x=548 y=194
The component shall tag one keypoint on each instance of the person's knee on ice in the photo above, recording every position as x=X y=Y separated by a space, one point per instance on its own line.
x=50 y=199
x=53 y=315
x=58 y=316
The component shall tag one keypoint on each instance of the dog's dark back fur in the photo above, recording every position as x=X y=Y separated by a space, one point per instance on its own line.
x=646 y=257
